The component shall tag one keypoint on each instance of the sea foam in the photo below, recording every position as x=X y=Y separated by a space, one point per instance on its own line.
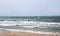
x=13 y=23
x=30 y=31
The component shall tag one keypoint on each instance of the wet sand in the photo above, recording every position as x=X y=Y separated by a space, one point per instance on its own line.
x=5 y=33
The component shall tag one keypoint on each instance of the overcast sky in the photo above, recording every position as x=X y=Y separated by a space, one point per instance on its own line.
x=29 y=7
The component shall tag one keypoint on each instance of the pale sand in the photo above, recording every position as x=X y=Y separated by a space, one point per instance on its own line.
x=5 y=33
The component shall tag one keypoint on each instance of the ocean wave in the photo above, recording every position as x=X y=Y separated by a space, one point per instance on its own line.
x=28 y=23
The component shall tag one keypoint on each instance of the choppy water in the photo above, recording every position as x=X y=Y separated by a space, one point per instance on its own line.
x=35 y=23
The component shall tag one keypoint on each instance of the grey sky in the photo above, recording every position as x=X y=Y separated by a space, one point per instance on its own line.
x=29 y=7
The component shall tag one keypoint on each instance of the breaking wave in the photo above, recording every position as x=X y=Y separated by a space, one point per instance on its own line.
x=28 y=23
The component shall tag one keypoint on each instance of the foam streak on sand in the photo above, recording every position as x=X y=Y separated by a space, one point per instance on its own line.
x=29 y=31
x=15 y=32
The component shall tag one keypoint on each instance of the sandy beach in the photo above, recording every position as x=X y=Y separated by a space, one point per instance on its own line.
x=9 y=33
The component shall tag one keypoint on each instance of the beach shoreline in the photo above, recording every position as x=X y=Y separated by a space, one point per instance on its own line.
x=15 y=33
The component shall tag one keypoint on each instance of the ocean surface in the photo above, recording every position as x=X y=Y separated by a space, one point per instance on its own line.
x=30 y=23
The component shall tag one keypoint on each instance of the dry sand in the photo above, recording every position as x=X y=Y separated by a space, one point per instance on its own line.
x=5 y=33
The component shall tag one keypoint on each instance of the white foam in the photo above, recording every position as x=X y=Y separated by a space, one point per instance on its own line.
x=26 y=23
x=29 y=26
x=7 y=23
x=37 y=32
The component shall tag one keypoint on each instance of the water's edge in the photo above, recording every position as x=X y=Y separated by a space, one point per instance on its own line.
x=29 y=31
